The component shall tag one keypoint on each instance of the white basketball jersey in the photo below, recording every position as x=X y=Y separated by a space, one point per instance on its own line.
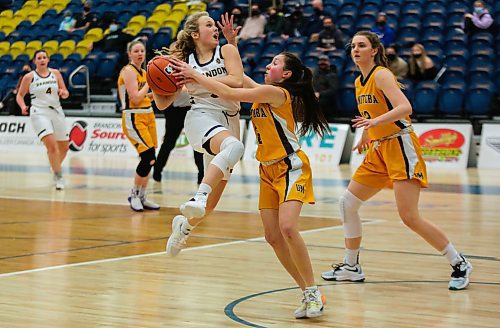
x=44 y=91
x=200 y=97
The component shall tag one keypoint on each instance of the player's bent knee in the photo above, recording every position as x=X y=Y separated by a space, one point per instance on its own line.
x=349 y=206
x=148 y=159
x=231 y=150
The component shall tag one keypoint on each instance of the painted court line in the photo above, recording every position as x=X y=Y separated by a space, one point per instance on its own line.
x=64 y=266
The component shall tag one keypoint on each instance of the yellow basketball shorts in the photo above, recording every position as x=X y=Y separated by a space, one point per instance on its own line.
x=140 y=129
x=288 y=179
x=394 y=159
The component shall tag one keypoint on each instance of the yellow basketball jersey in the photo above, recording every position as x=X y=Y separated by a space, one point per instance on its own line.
x=372 y=103
x=274 y=130
x=125 y=101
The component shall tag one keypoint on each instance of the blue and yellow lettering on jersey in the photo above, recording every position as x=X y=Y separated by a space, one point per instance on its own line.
x=275 y=130
x=372 y=102
x=125 y=101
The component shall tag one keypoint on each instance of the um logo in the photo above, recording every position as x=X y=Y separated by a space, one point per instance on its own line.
x=300 y=188
x=418 y=175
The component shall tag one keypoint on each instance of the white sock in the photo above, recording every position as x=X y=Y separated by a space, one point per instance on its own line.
x=204 y=190
x=451 y=254
x=136 y=189
x=312 y=288
x=351 y=256
x=186 y=227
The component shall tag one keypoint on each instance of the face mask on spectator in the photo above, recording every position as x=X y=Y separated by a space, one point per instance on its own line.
x=255 y=12
x=86 y=9
x=67 y=18
x=381 y=23
x=113 y=27
x=478 y=10
x=417 y=55
x=391 y=57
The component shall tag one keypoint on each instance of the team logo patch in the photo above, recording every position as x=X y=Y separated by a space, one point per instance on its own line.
x=77 y=135
x=217 y=61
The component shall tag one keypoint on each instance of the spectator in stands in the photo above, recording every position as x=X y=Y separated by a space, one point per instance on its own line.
x=275 y=23
x=68 y=22
x=116 y=41
x=326 y=84
x=330 y=38
x=421 y=66
x=9 y=101
x=87 y=19
x=238 y=19
x=294 y=25
x=254 y=25
x=384 y=31
x=314 y=23
x=396 y=64
x=479 y=21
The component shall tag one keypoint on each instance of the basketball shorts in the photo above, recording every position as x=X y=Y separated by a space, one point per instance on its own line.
x=47 y=121
x=200 y=125
x=394 y=159
x=288 y=179
x=140 y=129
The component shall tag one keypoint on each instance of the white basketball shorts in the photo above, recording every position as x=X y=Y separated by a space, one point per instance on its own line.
x=47 y=121
x=200 y=125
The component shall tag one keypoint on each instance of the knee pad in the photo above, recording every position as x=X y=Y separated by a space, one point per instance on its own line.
x=148 y=159
x=231 y=150
x=349 y=206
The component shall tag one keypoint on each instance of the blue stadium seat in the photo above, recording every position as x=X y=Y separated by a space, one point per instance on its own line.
x=451 y=99
x=425 y=98
x=434 y=7
x=434 y=20
x=412 y=8
x=407 y=36
x=454 y=20
x=347 y=105
x=348 y=10
x=391 y=8
x=162 y=38
x=432 y=34
x=407 y=88
x=410 y=20
x=483 y=52
x=478 y=99
x=453 y=76
x=108 y=66
x=369 y=9
x=481 y=39
x=365 y=22
x=457 y=7
x=346 y=24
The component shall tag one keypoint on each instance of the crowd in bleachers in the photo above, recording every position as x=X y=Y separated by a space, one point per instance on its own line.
x=457 y=73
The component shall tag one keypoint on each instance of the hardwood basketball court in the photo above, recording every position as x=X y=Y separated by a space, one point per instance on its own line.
x=81 y=258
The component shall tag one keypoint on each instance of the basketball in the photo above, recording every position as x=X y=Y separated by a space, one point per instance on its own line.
x=160 y=78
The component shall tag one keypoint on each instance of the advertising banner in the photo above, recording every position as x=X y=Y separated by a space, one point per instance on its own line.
x=326 y=150
x=489 y=153
x=16 y=134
x=442 y=146
x=99 y=136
